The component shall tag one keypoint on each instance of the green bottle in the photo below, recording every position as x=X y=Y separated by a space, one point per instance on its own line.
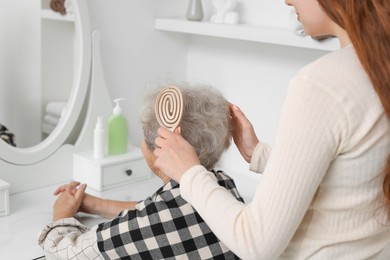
x=117 y=131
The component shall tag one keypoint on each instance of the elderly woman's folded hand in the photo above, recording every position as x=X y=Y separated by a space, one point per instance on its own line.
x=68 y=203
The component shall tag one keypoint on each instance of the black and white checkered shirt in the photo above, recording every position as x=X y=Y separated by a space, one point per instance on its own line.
x=164 y=226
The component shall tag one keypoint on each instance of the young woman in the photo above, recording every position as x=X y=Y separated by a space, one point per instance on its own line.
x=325 y=193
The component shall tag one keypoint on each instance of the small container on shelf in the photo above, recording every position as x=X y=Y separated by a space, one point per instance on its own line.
x=57 y=10
x=99 y=139
x=194 y=10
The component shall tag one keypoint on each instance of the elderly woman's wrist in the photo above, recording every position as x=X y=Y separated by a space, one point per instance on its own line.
x=93 y=205
x=62 y=215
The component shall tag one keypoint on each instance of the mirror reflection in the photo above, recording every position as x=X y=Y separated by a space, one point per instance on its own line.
x=37 y=50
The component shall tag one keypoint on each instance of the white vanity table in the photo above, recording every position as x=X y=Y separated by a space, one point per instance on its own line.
x=32 y=210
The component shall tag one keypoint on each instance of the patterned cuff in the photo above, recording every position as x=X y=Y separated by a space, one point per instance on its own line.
x=69 y=239
x=260 y=157
x=67 y=224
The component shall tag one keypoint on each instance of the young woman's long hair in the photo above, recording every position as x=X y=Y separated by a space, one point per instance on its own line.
x=367 y=23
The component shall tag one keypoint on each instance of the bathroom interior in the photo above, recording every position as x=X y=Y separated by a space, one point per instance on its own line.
x=74 y=65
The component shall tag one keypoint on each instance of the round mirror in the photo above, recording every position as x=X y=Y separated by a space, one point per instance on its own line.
x=62 y=69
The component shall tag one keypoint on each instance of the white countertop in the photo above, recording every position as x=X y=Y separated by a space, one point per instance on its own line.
x=32 y=210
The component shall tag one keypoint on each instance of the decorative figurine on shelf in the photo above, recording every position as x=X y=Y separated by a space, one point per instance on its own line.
x=58 y=6
x=194 y=10
x=224 y=13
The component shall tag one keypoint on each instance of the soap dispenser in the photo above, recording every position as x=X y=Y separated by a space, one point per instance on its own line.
x=117 y=130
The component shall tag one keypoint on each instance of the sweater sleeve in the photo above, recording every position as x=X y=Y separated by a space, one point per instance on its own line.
x=308 y=139
x=69 y=239
x=260 y=157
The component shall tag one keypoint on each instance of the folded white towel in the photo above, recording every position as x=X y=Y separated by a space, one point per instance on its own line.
x=51 y=120
x=55 y=108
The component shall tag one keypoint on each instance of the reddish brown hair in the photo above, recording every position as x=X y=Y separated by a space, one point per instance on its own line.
x=367 y=23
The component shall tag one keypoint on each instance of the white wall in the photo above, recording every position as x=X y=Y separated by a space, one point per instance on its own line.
x=20 y=70
x=252 y=75
x=134 y=55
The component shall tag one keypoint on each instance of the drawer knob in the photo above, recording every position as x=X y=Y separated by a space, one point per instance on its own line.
x=129 y=172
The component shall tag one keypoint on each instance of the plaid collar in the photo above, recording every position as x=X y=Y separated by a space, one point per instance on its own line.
x=171 y=184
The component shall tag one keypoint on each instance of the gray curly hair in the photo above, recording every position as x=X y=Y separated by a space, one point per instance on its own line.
x=205 y=124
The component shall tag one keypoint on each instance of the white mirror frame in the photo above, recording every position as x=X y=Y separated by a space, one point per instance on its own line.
x=42 y=151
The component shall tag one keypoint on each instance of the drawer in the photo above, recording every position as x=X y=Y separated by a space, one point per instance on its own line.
x=123 y=173
x=111 y=171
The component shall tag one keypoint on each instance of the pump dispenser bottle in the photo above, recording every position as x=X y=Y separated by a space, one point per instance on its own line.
x=117 y=130
x=99 y=139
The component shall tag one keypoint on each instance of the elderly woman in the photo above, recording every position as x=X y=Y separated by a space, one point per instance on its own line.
x=163 y=226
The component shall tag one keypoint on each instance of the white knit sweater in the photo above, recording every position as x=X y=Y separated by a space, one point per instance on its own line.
x=321 y=193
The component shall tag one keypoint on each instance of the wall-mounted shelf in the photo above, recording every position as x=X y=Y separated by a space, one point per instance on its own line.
x=255 y=33
x=51 y=15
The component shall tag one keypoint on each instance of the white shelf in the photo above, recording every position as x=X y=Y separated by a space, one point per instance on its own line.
x=262 y=34
x=51 y=15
